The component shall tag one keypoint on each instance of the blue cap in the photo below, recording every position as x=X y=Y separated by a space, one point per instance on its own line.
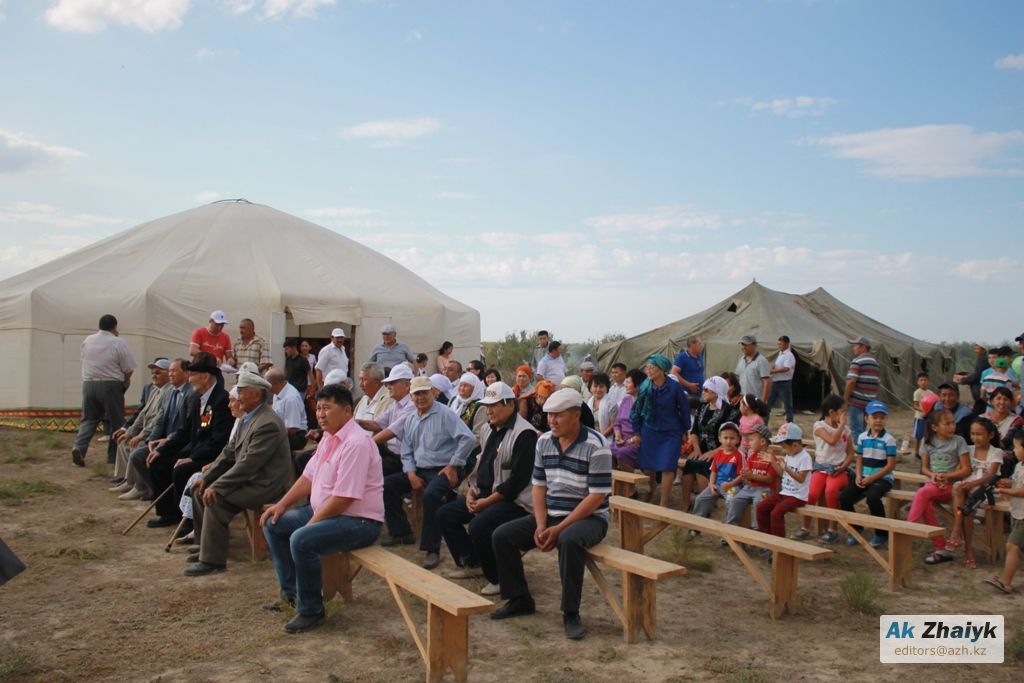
x=876 y=407
x=789 y=432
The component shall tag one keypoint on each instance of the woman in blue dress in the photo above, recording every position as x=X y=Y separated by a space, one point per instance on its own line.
x=661 y=417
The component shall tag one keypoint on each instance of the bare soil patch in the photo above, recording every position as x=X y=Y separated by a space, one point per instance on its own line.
x=94 y=605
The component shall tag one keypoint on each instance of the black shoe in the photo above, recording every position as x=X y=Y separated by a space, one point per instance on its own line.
x=192 y=557
x=304 y=622
x=514 y=608
x=204 y=568
x=574 y=628
x=78 y=457
x=117 y=480
x=278 y=605
x=408 y=539
x=162 y=520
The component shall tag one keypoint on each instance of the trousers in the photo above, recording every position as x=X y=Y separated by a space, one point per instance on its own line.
x=468 y=536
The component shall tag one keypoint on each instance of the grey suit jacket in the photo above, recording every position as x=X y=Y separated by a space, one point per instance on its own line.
x=256 y=465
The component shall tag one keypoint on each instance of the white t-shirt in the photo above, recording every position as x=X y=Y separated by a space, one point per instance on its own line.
x=787 y=360
x=801 y=462
x=980 y=467
x=1017 y=502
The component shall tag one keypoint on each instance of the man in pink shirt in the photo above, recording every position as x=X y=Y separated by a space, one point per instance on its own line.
x=344 y=482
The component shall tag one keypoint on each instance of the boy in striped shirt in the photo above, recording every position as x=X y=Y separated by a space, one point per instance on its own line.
x=572 y=477
x=876 y=459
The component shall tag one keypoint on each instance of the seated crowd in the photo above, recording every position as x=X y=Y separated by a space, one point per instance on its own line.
x=500 y=468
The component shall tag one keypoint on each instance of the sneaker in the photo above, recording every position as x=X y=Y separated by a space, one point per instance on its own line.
x=431 y=560
x=574 y=628
x=491 y=589
x=464 y=573
x=514 y=608
x=800 y=534
x=78 y=457
x=304 y=622
x=134 y=494
x=850 y=540
x=693 y=533
x=878 y=541
x=400 y=540
x=722 y=542
x=204 y=568
x=828 y=537
x=124 y=487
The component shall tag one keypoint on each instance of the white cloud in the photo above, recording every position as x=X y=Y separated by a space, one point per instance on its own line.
x=275 y=9
x=1011 y=62
x=240 y=6
x=2 y=16
x=206 y=197
x=1002 y=269
x=792 y=107
x=90 y=16
x=933 y=151
x=350 y=216
x=452 y=196
x=18 y=153
x=205 y=54
x=500 y=240
x=44 y=214
x=415 y=35
x=658 y=219
x=392 y=132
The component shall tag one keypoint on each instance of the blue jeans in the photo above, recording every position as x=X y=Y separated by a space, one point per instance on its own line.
x=296 y=547
x=855 y=419
x=783 y=390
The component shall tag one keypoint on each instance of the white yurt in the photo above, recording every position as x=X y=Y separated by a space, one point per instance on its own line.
x=163 y=278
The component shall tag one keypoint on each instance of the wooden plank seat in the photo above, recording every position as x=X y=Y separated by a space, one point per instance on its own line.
x=992 y=537
x=640 y=574
x=445 y=645
x=901 y=536
x=625 y=483
x=254 y=532
x=786 y=553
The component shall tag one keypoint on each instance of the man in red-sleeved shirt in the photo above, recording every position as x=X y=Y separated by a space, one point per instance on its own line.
x=213 y=339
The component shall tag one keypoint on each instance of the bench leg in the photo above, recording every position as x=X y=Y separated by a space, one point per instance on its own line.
x=337 y=576
x=901 y=560
x=892 y=507
x=631 y=532
x=995 y=534
x=416 y=513
x=785 y=569
x=257 y=543
x=447 y=645
x=639 y=607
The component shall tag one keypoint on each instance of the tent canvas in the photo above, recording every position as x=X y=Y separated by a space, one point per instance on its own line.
x=161 y=279
x=819 y=327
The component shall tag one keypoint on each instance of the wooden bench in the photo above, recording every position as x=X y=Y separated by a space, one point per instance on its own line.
x=449 y=606
x=624 y=483
x=640 y=574
x=901 y=536
x=253 y=530
x=786 y=553
x=991 y=540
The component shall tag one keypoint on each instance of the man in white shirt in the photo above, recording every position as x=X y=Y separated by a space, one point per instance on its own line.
x=617 y=392
x=376 y=397
x=290 y=407
x=782 y=378
x=332 y=357
x=552 y=366
x=107 y=367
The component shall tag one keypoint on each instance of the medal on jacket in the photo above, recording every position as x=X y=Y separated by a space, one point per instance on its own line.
x=206 y=418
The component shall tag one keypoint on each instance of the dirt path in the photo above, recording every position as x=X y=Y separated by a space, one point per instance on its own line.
x=98 y=606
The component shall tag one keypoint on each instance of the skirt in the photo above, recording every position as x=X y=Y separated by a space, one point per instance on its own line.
x=659 y=451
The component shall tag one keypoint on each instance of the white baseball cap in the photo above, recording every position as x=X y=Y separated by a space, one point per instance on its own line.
x=563 y=399
x=400 y=371
x=496 y=393
x=336 y=376
x=338 y=332
x=219 y=317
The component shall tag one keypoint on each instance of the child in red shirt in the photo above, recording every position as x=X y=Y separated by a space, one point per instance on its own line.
x=758 y=477
x=725 y=471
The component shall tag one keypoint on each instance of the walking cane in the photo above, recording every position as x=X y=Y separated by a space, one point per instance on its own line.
x=174 y=536
x=146 y=511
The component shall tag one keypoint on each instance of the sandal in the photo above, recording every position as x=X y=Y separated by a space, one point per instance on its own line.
x=998 y=584
x=970 y=563
x=938 y=558
x=953 y=543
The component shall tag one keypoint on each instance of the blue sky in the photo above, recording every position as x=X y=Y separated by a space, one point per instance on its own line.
x=584 y=166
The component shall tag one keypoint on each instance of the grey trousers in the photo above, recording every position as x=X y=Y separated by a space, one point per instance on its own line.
x=748 y=495
x=211 y=528
x=138 y=471
x=100 y=399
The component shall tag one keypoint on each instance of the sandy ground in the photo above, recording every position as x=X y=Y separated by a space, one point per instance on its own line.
x=98 y=606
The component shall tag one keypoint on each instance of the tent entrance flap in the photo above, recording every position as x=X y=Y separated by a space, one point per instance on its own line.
x=811 y=384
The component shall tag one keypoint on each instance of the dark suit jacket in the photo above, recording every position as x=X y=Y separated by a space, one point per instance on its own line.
x=204 y=436
x=256 y=465
x=167 y=424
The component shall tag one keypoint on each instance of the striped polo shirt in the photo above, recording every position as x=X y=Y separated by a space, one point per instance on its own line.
x=875 y=452
x=585 y=468
x=865 y=372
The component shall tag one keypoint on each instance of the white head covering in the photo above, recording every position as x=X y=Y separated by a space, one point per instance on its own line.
x=720 y=387
x=457 y=403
